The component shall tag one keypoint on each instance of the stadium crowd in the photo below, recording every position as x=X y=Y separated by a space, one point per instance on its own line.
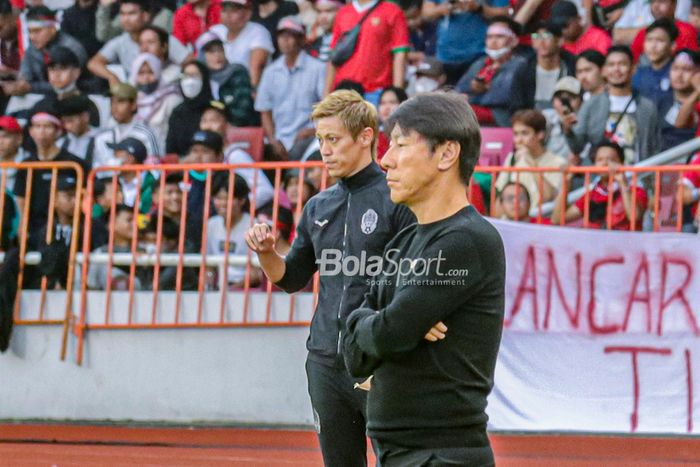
x=106 y=83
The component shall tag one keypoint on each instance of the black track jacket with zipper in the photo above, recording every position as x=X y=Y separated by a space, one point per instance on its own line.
x=340 y=229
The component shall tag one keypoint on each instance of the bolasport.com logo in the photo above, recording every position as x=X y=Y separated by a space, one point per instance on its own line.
x=390 y=269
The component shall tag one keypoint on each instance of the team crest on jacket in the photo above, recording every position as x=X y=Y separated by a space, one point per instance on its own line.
x=369 y=221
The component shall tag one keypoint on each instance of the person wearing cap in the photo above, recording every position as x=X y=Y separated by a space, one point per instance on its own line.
x=64 y=71
x=430 y=76
x=679 y=115
x=322 y=30
x=131 y=151
x=357 y=215
x=651 y=79
x=578 y=37
x=44 y=129
x=490 y=82
x=666 y=9
x=134 y=15
x=462 y=31
x=43 y=37
x=380 y=54
x=79 y=137
x=214 y=120
x=195 y=17
x=56 y=253
x=549 y=64
x=566 y=101
x=230 y=82
x=290 y=86
x=124 y=124
x=154 y=40
x=195 y=87
x=619 y=114
x=245 y=42
x=206 y=147
x=10 y=147
x=270 y=12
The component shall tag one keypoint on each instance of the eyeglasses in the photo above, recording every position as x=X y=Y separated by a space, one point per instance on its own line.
x=537 y=36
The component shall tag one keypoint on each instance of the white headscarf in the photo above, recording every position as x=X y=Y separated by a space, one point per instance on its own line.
x=148 y=104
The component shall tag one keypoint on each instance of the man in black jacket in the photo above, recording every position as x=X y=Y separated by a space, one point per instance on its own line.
x=340 y=229
x=427 y=401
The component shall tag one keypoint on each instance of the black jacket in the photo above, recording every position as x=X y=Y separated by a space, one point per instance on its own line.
x=527 y=81
x=353 y=218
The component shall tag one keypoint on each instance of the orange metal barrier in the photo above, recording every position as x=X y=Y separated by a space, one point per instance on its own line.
x=196 y=299
x=17 y=250
x=664 y=182
x=196 y=312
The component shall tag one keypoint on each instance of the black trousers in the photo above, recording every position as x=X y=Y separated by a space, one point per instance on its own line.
x=339 y=415
x=394 y=456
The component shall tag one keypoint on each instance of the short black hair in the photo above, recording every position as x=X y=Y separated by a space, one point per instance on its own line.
x=350 y=85
x=521 y=188
x=665 y=24
x=554 y=28
x=400 y=93
x=162 y=34
x=620 y=49
x=592 y=56
x=606 y=143
x=220 y=182
x=170 y=230
x=142 y=4
x=174 y=178
x=119 y=208
x=440 y=117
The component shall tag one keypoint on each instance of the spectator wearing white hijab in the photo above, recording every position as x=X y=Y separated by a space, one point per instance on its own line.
x=156 y=99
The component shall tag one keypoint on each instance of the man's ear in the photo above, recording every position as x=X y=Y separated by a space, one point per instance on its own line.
x=448 y=154
x=366 y=137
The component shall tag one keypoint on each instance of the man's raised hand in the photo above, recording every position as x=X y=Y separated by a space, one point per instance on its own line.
x=260 y=239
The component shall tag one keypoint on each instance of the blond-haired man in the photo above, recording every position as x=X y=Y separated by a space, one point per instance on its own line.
x=341 y=230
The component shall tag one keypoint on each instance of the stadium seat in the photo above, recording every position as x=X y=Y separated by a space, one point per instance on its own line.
x=250 y=139
x=496 y=144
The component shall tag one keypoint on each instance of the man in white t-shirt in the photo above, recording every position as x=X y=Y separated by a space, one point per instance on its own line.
x=123 y=49
x=249 y=44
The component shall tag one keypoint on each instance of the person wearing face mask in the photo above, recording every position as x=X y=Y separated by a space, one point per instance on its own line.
x=490 y=81
x=230 y=82
x=184 y=121
x=430 y=76
x=155 y=100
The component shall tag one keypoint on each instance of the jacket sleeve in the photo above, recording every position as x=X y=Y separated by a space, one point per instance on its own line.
x=241 y=109
x=301 y=260
x=358 y=362
x=576 y=139
x=415 y=308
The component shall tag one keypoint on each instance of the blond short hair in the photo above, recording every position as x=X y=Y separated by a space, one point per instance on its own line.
x=355 y=112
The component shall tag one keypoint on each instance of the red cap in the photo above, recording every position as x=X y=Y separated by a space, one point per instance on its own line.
x=10 y=124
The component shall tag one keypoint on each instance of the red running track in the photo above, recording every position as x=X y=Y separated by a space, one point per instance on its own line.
x=50 y=445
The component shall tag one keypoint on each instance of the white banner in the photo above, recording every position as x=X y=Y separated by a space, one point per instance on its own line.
x=601 y=332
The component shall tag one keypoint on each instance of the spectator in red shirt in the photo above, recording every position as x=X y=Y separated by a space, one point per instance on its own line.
x=578 y=37
x=687 y=35
x=379 y=60
x=195 y=17
x=610 y=155
x=691 y=197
